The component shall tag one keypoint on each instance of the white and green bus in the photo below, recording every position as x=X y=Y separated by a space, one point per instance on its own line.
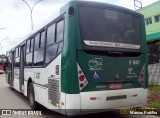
x=91 y=58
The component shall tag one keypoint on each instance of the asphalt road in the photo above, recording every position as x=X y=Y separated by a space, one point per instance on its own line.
x=11 y=99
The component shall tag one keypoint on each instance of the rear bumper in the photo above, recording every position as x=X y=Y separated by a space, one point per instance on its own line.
x=133 y=98
x=117 y=98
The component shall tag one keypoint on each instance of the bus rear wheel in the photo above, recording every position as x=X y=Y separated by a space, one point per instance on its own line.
x=31 y=97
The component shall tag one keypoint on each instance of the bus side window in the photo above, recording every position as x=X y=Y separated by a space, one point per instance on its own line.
x=29 y=52
x=51 y=52
x=28 y=46
x=31 y=48
x=51 y=34
x=60 y=35
x=60 y=46
x=42 y=39
x=39 y=49
x=37 y=41
x=17 y=51
x=29 y=59
x=54 y=48
x=17 y=59
x=38 y=57
x=60 y=31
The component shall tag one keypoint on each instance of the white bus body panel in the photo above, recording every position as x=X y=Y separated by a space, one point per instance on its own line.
x=25 y=87
x=26 y=77
x=16 y=84
x=102 y=103
x=16 y=79
x=40 y=94
x=41 y=82
x=73 y=101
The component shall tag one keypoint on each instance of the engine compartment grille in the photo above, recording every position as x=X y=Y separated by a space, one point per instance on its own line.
x=53 y=91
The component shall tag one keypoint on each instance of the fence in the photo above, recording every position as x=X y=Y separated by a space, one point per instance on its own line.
x=154 y=74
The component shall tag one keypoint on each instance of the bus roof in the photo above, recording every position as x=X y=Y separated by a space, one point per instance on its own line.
x=102 y=5
x=81 y=3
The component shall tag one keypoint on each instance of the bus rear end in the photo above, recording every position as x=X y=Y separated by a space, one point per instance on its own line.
x=111 y=57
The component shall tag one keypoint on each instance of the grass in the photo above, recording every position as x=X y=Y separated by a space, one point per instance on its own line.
x=154 y=96
x=154 y=105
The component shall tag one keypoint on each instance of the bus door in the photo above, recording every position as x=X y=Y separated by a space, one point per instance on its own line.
x=12 y=67
x=21 y=80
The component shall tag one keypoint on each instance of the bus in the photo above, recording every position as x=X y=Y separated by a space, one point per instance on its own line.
x=2 y=62
x=91 y=58
x=1 y=67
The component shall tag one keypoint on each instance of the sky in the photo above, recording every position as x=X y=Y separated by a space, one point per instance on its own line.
x=15 y=17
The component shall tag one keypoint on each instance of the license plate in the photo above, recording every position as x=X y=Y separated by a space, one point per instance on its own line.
x=115 y=85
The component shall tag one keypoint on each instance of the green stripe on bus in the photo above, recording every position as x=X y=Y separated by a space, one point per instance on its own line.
x=41 y=85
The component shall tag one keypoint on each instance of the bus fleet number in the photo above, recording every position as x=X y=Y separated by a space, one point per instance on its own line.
x=37 y=75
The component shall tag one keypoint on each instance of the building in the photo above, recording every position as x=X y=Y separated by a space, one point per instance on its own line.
x=152 y=23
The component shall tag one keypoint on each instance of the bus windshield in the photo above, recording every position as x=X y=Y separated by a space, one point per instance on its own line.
x=109 y=28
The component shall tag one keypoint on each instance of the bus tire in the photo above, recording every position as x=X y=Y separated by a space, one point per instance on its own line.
x=31 y=97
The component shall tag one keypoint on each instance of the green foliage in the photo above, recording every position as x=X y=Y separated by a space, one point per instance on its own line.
x=154 y=105
x=154 y=96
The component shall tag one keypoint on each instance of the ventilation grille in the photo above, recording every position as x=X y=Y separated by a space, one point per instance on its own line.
x=53 y=91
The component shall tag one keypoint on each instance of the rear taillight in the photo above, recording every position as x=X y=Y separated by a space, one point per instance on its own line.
x=81 y=85
x=82 y=79
x=141 y=77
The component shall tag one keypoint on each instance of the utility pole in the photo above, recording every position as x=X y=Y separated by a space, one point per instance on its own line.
x=31 y=10
x=136 y=6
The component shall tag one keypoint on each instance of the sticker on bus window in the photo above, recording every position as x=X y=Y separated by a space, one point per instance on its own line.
x=111 y=14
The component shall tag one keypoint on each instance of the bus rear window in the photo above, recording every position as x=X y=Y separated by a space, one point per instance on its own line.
x=109 y=28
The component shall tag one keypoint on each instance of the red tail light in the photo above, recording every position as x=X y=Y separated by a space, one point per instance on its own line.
x=81 y=77
x=141 y=77
x=81 y=85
